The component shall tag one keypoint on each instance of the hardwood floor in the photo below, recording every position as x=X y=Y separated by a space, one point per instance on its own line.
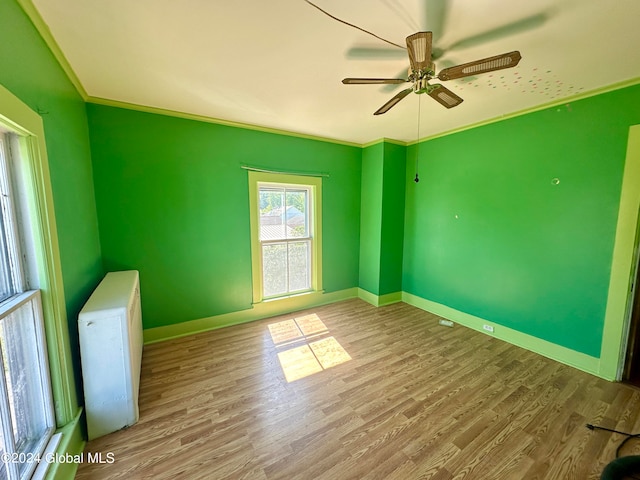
x=394 y=396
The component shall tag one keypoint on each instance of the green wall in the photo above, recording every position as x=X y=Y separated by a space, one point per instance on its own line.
x=173 y=203
x=488 y=233
x=392 y=231
x=30 y=71
x=382 y=218
x=371 y=217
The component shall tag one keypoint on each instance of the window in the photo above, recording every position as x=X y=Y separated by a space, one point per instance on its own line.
x=286 y=239
x=26 y=405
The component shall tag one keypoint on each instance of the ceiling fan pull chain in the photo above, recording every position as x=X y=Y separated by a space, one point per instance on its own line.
x=417 y=179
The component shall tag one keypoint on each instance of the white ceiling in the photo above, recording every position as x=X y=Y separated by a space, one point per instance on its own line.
x=279 y=63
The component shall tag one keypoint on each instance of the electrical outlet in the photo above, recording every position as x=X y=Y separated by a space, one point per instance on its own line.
x=488 y=328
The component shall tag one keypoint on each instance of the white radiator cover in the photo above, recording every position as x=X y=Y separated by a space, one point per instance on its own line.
x=110 y=331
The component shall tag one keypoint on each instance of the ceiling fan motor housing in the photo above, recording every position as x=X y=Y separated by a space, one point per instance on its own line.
x=421 y=83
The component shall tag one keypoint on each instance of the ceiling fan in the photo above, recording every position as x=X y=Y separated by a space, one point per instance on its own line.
x=423 y=70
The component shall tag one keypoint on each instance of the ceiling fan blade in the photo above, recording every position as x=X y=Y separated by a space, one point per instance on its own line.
x=419 y=47
x=368 y=81
x=387 y=106
x=391 y=87
x=506 y=60
x=524 y=24
x=444 y=96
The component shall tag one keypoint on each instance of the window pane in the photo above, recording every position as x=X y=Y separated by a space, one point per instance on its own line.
x=299 y=266
x=272 y=220
x=27 y=395
x=6 y=284
x=7 y=288
x=274 y=269
x=296 y=214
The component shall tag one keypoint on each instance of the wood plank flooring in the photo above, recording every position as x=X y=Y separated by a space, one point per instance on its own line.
x=410 y=400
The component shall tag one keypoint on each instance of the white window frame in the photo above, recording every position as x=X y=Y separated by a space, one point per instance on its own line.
x=21 y=314
x=44 y=269
x=314 y=186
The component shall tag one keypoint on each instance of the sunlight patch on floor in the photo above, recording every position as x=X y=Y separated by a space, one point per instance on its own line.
x=329 y=352
x=311 y=324
x=298 y=363
x=285 y=332
x=305 y=347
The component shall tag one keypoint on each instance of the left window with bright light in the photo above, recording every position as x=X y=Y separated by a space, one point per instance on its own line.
x=26 y=405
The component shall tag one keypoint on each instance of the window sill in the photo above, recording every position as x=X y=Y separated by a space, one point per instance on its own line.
x=291 y=297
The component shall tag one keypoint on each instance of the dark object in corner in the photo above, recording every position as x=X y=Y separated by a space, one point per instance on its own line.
x=621 y=468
